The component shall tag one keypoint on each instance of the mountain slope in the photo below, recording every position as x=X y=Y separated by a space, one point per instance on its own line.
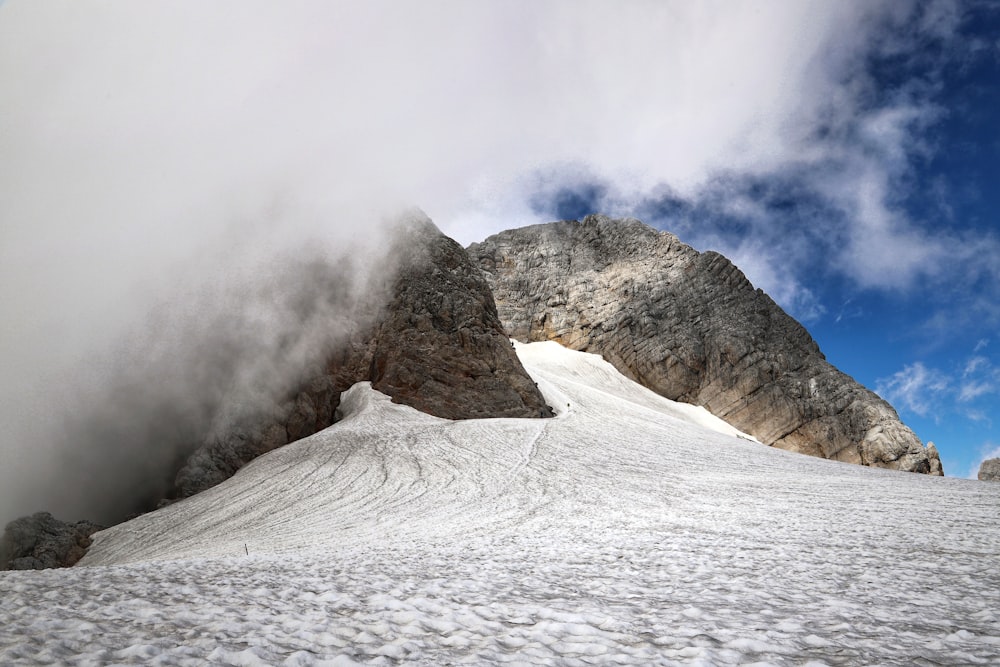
x=623 y=531
x=388 y=469
x=691 y=327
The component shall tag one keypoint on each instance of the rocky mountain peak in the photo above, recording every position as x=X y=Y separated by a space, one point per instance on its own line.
x=690 y=326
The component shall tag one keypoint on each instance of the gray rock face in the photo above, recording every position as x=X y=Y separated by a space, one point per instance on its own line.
x=934 y=459
x=41 y=541
x=691 y=327
x=989 y=470
x=437 y=346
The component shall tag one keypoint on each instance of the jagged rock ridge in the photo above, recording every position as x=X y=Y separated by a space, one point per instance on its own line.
x=691 y=327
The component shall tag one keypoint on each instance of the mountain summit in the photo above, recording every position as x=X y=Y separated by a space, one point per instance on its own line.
x=691 y=327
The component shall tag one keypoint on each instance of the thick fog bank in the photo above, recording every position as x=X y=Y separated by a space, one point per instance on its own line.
x=222 y=337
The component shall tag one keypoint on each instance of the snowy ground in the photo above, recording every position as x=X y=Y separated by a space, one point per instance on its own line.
x=628 y=530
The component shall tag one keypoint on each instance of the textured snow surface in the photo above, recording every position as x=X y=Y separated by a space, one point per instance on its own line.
x=627 y=530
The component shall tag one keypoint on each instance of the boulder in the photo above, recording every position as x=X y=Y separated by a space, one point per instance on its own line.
x=41 y=541
x=989 y=470
x=934 y=458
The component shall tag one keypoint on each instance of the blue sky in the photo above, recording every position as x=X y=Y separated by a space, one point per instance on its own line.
x=920 y=324
x=843 y=153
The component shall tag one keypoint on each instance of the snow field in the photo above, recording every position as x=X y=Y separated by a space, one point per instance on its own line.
x=624 y=531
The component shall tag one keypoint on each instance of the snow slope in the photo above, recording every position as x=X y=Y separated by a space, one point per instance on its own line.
x=627 y=530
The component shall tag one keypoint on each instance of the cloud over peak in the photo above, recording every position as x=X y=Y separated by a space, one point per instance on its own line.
x=139 y=142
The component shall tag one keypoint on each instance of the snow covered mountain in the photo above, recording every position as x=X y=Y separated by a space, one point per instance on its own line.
x=628 y=529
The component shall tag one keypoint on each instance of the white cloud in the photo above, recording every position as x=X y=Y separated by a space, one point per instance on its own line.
x=137 y=137
x=915 y=388
x=848 y=311
x=979 y=416
x=972 y=390
x=159 y=125
x=931 y=391
x=975 y=364
x=978 y=378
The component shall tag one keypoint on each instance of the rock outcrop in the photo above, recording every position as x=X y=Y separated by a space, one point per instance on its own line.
x=438 y=346
x=41 y=541
x=934 y=459
x=691 y=327
x=989 y=470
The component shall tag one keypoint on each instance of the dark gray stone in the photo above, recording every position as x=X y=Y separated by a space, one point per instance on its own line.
x=41 y=541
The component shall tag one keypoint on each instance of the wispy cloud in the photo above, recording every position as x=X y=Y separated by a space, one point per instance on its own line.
x=975 y=363
x=972 y=390
x=825 y=192
x=916 y=388
x=928 y=391
x=848 y=311
x=978 y=378
x=978 y=416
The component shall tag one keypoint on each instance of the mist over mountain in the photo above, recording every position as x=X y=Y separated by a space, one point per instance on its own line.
x=150 y=146
x=267 y=357
x=214 y=339
x=431 y=340
x=266 y=419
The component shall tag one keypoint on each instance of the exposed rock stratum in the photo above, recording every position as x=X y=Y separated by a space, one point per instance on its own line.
x=691 y=327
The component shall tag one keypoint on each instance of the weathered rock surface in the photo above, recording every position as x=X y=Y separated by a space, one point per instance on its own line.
x=438 y=346
x=989 y=470
x=934 y=459
x=41 y=541
x=691 y=327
